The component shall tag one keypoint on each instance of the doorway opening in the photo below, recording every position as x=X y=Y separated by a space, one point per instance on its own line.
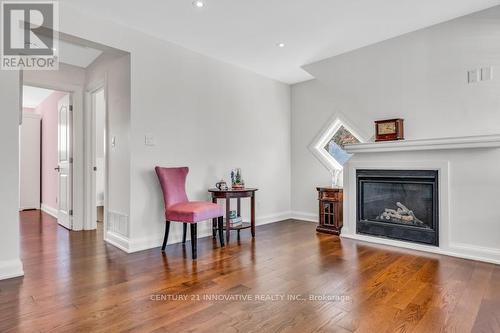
x=89 y=126
x=99 y=185
x=46 y=153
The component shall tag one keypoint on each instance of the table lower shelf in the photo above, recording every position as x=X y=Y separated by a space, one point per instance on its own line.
x=244 y=225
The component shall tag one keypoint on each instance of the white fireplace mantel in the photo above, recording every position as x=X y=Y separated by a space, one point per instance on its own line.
x=467 y=178
x=464 y=142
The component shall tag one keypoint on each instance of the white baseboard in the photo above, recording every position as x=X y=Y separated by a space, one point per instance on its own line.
x=305 y=216
x=272 y=218
x=459 y=251
x=119 y=241
x=11 y=268
x=204 y=230
x=29 y=207
x=49 y=210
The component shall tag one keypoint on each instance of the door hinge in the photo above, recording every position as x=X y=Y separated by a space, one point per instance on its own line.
x=71 y=212
x=71 y=160
x=71 y=107
x=95 y=168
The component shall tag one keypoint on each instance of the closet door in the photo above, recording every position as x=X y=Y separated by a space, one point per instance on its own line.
x=29 y=161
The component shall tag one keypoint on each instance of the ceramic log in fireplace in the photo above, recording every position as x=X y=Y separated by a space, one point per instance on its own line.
x=398 y=204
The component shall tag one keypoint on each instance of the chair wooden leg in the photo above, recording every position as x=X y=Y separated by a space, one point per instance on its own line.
x=214 y=228
x=221 y=230
x=165 y=238
x=194 y=238
x=184 y=232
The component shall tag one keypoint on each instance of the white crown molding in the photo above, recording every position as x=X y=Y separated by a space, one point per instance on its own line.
x=465 y=142
x=32 y=115
x=10 y=269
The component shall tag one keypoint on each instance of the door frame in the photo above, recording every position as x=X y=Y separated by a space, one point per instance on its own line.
x=91 y=202
x=78 y=191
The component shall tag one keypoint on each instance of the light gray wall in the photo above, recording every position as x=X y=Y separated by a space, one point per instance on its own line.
x=65 y=75
x=203 y=113
x=115 y=70
x=10 y=265
x=421 y=77
x=211 y=117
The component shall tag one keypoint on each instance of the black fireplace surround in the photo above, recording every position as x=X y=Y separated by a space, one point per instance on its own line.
x=398 y=204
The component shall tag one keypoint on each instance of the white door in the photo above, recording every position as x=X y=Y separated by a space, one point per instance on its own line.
x=65 y=162
x=29 y=163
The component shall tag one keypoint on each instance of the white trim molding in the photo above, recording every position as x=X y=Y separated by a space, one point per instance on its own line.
x=49 y=210
x=317 y=146
x=10 y=269
x=305 y=216
x=175 y=236
x=465 y=142
x=78 y=194
x=119 y=241
x=464 y=252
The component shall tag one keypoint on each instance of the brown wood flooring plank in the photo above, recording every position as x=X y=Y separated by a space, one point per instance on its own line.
x=74 y=282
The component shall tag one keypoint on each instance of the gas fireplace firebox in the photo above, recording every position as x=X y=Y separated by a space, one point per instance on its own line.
x=398 y=204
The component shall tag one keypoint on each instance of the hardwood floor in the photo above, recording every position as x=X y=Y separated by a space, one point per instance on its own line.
x=75 y=283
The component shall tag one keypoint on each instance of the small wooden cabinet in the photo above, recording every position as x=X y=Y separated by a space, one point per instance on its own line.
x=330 y=210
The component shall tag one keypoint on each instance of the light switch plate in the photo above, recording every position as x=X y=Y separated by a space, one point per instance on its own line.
x=149 y=140
x=473 y=76
x=486 y=74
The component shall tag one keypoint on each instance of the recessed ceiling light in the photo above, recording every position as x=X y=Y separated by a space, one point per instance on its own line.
x=198 y=4
x=280 y=44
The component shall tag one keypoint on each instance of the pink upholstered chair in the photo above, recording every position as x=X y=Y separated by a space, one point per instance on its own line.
x=179 y=209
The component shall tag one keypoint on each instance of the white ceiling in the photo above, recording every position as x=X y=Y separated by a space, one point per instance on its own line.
x=76 y=55
x=245 y=33
x=33 y=96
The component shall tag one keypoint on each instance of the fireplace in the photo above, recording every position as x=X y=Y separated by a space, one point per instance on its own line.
x=398 y=204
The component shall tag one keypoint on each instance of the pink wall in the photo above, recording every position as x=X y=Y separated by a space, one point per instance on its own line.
x=48 y=110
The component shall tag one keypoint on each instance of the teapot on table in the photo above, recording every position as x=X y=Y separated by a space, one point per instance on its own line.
x=222 y=185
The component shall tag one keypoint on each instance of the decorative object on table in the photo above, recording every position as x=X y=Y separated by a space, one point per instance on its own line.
x=235 y=216
x=236 y=179
x=330 y=210
x=234 y=219
x=390 y=129
x=335 y=176
x=178 y=207
x=222 y=185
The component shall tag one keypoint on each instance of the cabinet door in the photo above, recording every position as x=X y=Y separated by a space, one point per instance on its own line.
x=329 y=213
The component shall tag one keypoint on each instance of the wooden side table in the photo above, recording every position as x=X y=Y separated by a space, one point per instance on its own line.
x=330 y=210
x=236 y=194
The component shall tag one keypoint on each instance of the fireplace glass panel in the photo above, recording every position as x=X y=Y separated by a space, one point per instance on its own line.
x=398 y=202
